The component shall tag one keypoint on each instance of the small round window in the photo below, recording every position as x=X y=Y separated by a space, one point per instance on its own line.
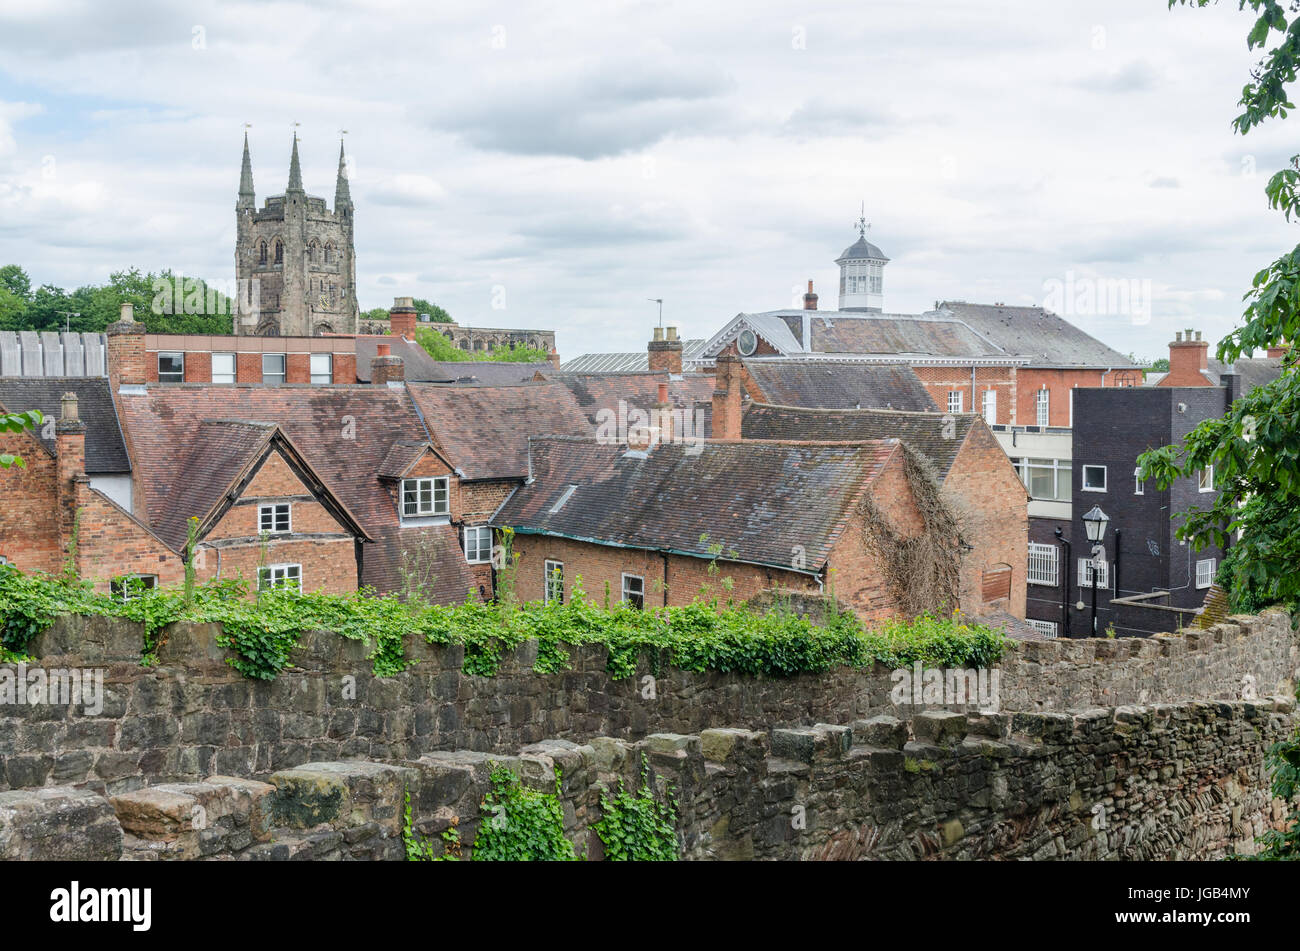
x=747 y=343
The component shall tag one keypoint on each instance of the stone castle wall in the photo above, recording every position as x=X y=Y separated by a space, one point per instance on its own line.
x=191 y=715
x=1175 y=781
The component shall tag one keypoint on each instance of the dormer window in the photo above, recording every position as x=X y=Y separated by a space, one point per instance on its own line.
x=425 y=497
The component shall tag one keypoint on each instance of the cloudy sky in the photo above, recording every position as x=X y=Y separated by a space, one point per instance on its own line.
x=569 y=160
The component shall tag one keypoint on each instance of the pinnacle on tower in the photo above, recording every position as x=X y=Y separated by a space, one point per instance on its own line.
x=342 y=195
x=295 y=172
x=247 y=197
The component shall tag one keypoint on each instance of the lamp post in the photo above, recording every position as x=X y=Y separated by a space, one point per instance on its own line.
x=1094 y=523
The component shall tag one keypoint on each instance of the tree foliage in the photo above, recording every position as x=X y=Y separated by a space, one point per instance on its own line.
x=16 y=423
x=1254 y=448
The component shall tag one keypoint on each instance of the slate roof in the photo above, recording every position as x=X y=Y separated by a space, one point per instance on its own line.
x=1254 y=371
x=757 y=500
x=105 y=447
x=890 y=334
x=417 y=365
x=839 y=385
x=862 y=248
x=924 y=432
x=625 y=362
x=483 y=430
x=1036 y=333
x=344 y=433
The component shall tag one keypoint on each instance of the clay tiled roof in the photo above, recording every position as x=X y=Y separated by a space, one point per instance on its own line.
x=837 y=385
x=344 y=433
x=105 y=449
x=758 y=501
x=927 y=433
x=483 y=430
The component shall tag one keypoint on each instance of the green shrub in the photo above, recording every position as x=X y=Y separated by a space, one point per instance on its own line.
x=638 y=827
x=519 y=824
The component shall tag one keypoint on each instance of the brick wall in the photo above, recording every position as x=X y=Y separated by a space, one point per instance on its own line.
x=29 y=513
x=1059 y=383
x=938 y=381
x=297 y=368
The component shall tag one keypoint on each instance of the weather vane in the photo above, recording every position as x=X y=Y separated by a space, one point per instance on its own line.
x=295 y=129
x=863 y=227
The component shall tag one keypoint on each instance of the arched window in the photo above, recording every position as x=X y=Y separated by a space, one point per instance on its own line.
x=279 y=251
x=311 y=253
x=329 y=253
x=261 y=255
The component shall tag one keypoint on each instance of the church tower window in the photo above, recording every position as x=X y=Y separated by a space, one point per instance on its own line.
x=329 y=253
x=279 y=251
x=261 y=256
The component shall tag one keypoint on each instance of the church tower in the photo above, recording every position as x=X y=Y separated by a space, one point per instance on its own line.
x=295 y=259
x=862 y=267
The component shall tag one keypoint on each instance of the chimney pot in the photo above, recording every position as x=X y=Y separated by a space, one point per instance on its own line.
x=128 y=312
x=659 y=333
x=68 y=407
x=1198 y=335
x=672 y=333
x=384 y=350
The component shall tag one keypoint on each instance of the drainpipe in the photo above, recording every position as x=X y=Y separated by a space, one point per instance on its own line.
x=1065 y=590
x=973 y=400
x=665 y=584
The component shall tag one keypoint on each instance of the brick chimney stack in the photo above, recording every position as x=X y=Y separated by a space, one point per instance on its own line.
x=665 y=352
x=726 y=398
x=126 y=357
x=810 y=299
x=1279 y=351
x=1188 y=356
x=386 y=368
x=554 y=359
x=70 y=463
x=403 y=318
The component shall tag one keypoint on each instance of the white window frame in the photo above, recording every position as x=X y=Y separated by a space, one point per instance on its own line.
x=279 y=576
x=1062 y=477
x=1205 y=571
x=119 y=583
x=552 y=581
x=640 y=580
x=954 y=401
x=178 y=354
x=1043 y=407
x=1085 y=574
x=321 y=376
x=272 y=510
x=1083 y=478
x=1139 y=487
x=435 y=484
x=282 y=375
x=1205 y=479
x=990 y=407
x=478 y=553
x=225 y=377
x=1046 y=628
x=1044 y=565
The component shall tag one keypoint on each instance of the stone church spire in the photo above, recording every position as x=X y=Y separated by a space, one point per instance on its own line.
x=342 y=194
x=295 y=172
x=247 y=198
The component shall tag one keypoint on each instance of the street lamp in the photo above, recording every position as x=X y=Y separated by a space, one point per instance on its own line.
x=1094 y=523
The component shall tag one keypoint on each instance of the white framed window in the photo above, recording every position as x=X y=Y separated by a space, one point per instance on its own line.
x=1085 y=573
x=1047 y=479
x=322 y=368
x=3 y=560
x=1044 y=564
x=130 y=587
x=1042 y=407
x=1205 y=479
x=279 y=576
x=422 y=497
x=634 y=591
x=171 y=367
x=990 y=407
x=1071 y=419
x=954 y=401
x=223 y=368
x=274 y=518
x=273 y=368
x=478 y=544
x=1046 y=628
x=554 y=576
x=1205 y=569
x=1139 y=487
x=1094 y=478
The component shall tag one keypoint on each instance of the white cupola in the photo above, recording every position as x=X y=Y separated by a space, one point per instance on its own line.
x=862 y=267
